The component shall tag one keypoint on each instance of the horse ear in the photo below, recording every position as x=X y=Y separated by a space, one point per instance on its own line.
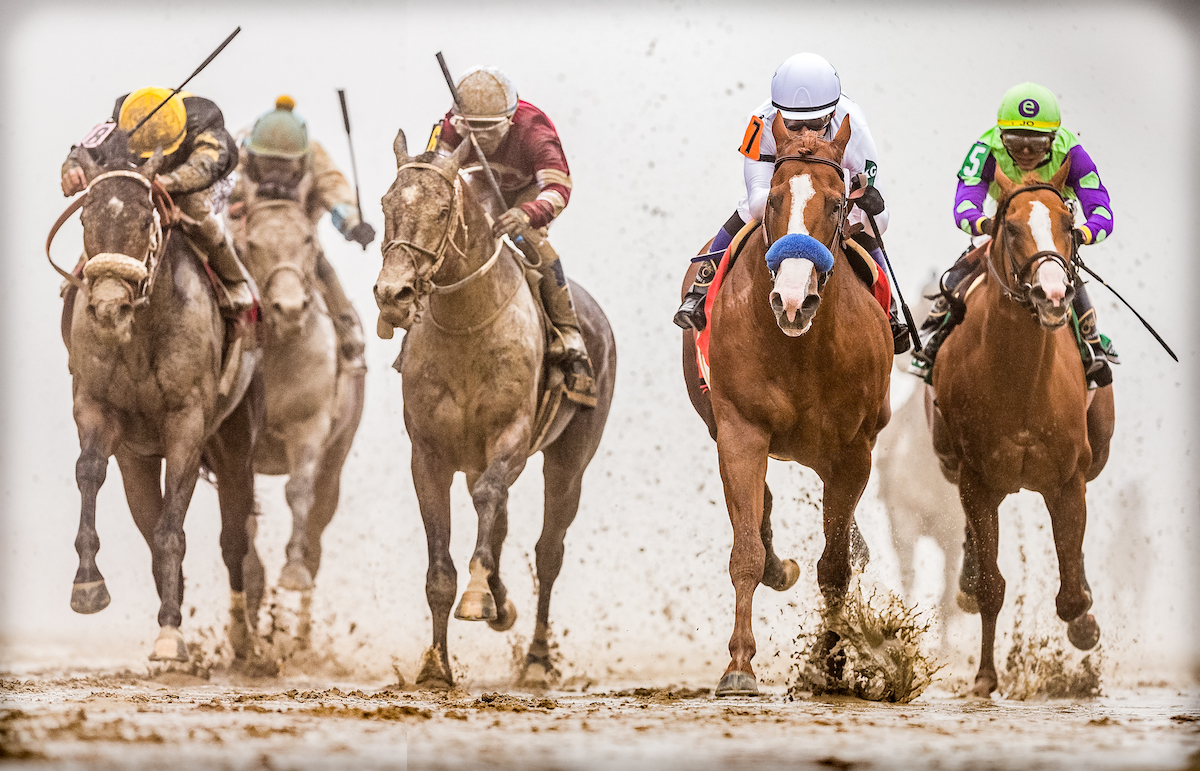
x=779 y=131
x=1006 y=185
x=150 y=168
x=459 y=155
x=400 y=148
x=1059 y=180
x=842 y=138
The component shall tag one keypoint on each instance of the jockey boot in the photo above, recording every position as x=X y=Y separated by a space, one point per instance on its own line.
x=214 y=241
x=567 y=349
x=941 y=319
x=345 y=319
x=691 y=311
x=1100 y=351
x=901 y=341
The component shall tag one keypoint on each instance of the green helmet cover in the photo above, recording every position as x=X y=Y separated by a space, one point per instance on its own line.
x=279 y=133
x=1029 y=106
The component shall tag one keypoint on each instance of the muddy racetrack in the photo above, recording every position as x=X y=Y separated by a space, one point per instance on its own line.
x=126 y=721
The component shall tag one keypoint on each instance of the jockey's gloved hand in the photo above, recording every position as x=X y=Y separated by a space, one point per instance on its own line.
x=74 y=181
x=363 y=233
x=870 y=201
x=986 y=225
x=1080 y=237
x=512 y=222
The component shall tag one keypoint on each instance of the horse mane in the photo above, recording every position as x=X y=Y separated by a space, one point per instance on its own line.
x=804 y=143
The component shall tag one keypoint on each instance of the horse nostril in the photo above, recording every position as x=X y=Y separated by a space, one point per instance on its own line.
x=277 y=307
x=406 y=296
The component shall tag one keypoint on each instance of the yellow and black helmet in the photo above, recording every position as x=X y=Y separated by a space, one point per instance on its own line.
x=165 y=129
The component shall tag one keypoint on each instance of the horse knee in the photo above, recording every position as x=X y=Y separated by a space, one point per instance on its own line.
x=747 y=560
x=441 y=585
x=91 y=468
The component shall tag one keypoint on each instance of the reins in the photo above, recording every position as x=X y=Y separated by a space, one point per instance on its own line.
x=1020 y=295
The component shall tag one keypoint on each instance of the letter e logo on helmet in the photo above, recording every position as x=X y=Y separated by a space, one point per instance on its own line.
x=1028 y=108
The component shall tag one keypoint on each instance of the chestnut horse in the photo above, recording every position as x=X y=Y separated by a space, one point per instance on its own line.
x=472 y=367
x=1009 y=407
x=144 y=338
x=791 y=383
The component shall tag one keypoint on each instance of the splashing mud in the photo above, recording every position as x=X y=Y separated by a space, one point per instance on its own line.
x=875 y=655
x=1037 y=666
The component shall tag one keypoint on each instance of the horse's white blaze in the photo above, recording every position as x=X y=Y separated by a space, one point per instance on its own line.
x=410 y=194
x=115 y=206
x=802 y=193
x=1053 y=280
x=1039 y=225
x=792 y=285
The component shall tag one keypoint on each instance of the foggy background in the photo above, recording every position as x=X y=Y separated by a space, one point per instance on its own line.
x=651 y=100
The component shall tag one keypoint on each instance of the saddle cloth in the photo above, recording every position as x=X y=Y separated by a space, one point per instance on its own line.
x=726 y=261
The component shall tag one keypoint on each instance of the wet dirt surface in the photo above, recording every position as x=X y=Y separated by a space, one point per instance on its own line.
x=181 y=722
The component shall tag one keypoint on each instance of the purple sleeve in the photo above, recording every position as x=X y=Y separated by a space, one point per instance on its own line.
x=1084 y=179
x=968 y=201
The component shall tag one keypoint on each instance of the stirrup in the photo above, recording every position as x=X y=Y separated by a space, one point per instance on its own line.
x=579 y=382
x=901 y=341
x=691 y=312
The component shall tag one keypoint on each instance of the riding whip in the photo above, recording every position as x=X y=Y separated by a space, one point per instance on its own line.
x=912 y=325
x=353 y=166
x=487 y=169
x=203 y=64
x=1145 y=323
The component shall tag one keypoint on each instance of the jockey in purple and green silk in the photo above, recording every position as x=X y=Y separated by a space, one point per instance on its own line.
x=1028 y=137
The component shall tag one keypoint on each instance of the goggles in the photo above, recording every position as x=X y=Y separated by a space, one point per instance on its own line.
x=795 y=125
x=1026 y=144
x=478 y=125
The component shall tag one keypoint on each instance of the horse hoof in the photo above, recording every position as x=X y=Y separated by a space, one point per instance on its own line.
x=433 y=676
x=476 y=606
x=504 y=621
x=295 y=577
x=737 y=684
x=534 y=676
x=90 y=597
x=169 y=645
x=985 y=683
x=1084 y=632
x=967 y=602
x=791 y=573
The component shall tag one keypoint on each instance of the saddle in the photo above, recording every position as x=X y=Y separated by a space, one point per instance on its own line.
x=725 y=262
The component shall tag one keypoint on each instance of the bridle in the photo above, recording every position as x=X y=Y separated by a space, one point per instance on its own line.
x=284 y=266
x=134 y=272
x=1021 y=294
x=843 y=203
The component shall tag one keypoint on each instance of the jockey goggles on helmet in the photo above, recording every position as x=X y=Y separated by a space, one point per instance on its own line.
x=1027 y=143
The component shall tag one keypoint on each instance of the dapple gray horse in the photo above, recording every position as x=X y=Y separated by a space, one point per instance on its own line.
x=145 y=355
x=472 y=365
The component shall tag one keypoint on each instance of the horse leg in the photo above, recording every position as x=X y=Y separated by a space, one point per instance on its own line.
x=943 y=444
x=98 y=436
x=231 y=454
x=1068 y=518
x=1101 y=420
x=431 y=478
x=168 y=542
x=742 y=455
x=489 y=493
x=968 y=575
x=778 y=574
x=846 y=481
x=304 y=447
x=982 y=505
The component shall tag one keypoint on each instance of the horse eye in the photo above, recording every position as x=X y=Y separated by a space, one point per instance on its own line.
x=443 y=212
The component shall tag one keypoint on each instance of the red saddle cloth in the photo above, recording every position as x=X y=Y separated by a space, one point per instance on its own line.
x=702 y=337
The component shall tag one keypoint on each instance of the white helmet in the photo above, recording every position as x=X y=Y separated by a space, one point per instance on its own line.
x=805 y=86
x=486 y=94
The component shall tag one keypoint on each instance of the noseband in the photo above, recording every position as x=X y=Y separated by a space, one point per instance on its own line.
x=283 y=266
x=424 y=282
x=1023 y=289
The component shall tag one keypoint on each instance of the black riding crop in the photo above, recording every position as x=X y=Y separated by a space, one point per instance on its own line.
x=912 y=325
x=203 y=64
x=487 y=169
x=353 y=165
x=1145 y=323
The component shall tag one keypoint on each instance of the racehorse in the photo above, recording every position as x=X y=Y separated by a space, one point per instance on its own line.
x=473 y=381
x=145 y=355
x=791 y=383
x=314 y=403
x=1009 y=408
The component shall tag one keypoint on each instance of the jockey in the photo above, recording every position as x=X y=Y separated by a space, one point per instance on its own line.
x=525 y=154
x=1027 y=137
x=277 y=160
x=807 y=94
x=198 y=154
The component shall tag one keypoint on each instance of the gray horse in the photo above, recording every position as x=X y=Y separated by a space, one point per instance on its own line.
x=149 y=386
x=314 y=401
x=473 y=380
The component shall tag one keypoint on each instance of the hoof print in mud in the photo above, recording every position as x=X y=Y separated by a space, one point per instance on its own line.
x=1084 y=632
x=737 y=684
x=90 y=597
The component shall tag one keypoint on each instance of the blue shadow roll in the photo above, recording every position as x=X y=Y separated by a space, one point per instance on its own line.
x=799 y=245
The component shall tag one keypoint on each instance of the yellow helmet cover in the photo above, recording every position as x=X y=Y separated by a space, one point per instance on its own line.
x=167 y=127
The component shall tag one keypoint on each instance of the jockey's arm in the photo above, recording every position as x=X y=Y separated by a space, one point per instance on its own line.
x=1084 y=179
x=210 y=160
x=861 y=157
x=331 y=192
x=758 y=186
x=976 y=174
x=551 y=173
